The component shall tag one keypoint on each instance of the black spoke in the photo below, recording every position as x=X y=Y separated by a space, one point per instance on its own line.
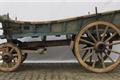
x=87 y=56
x=88 y=42
x=86 y=51
x=105 y=31
x=113 y=43
x=91 y=56
x=87 y=48
x=100 y=55
x=109 y=57
x=97 y=32
x=114 y=51
x=102 y=60
x=110 y=37
x=11 y=50
x=89 y=33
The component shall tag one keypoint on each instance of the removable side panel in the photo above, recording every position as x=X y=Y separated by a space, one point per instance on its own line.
x=116 y=20
x=83 y=22
x=71 y=26
x=107 y=18
x=42 y=28
x=56 y=27
x=14 y=28
x=27 y=28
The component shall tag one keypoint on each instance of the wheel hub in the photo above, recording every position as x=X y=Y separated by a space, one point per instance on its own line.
x=7 y=58
x=100 y=47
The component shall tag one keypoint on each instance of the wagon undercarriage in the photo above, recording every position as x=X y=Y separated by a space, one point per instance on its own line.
x=91 y=38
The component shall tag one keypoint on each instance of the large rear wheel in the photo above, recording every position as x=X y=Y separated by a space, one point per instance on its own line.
x=97 y=48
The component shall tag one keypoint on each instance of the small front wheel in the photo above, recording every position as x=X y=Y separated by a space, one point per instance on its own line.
x=10 y=57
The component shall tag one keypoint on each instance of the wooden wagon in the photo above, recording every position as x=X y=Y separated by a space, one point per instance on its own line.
x=91 y=39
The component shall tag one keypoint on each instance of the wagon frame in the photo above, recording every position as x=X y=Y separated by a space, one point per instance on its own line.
x=91 y=39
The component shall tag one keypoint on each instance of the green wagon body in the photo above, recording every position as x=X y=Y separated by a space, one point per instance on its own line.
x=20 y=29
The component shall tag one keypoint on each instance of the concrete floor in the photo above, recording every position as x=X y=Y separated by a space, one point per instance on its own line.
x=63 y=71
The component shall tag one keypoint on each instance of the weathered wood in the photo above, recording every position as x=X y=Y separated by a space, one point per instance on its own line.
x=11 y=57
x=97 y=51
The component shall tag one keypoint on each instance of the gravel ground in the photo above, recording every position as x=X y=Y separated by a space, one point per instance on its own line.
x=63 y=71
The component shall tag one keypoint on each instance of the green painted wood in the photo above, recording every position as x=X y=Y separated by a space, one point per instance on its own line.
x=59 y=27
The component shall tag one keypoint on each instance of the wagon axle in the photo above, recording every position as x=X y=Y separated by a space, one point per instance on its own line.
x=100 y=47
x=7 y=58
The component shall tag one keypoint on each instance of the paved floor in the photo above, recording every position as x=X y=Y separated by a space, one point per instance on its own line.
x=57 y=72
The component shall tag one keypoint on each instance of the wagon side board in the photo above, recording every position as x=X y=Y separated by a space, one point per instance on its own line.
x=18 y=29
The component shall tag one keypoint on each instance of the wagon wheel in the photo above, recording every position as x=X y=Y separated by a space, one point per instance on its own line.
x=18 y=44
x=10 y=57
x=88 y=45
x=85 y=53
x=98 y=48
